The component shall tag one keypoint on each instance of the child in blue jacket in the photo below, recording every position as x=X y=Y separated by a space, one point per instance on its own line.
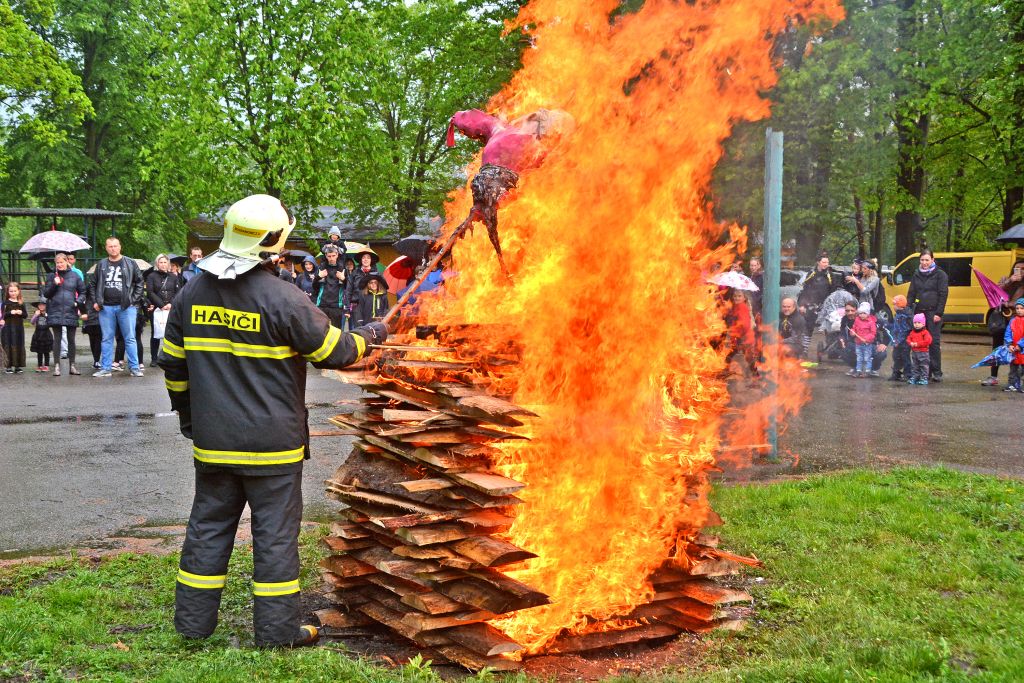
x=899 y=328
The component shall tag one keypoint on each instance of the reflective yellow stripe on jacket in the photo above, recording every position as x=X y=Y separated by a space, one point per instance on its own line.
x=327 y=348
x=360 y=345
x=219 y=345
x=176 y=386
x=269 y=590
x=248 y=457
x=200 y=581
x=172 y=349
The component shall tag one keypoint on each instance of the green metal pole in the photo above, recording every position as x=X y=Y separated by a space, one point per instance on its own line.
x=772 y=266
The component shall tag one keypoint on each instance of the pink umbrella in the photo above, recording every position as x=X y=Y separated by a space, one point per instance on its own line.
x=53 y=241
x=995 y=294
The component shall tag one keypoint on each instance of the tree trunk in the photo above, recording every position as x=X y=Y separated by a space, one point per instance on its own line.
x=1012 y=206
x=912 y=136
x=877 y=223
x=405 y=213
x=1014 y=197
x=858 y=217
x=955 y=223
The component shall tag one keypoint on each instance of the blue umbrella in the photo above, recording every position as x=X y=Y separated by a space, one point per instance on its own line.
x=1001 y=356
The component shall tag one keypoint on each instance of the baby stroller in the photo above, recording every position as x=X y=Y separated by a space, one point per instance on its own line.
x=830 y=319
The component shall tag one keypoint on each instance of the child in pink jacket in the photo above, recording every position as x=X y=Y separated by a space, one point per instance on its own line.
x=864 y=330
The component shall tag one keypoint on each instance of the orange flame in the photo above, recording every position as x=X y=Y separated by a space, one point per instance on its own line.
x=610 y=242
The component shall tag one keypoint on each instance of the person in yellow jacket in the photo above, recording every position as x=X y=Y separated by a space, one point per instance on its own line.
x=234 y=354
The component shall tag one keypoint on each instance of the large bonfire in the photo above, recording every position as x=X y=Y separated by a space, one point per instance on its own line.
x=610 y=242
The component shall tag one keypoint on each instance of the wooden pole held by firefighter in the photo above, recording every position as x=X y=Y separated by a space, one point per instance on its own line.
x=445 y=248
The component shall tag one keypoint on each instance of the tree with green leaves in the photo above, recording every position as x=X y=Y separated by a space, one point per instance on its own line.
x=253 y=92
x=903 y=126
x=111 y=48
x=323 y=102
x=425 y=61
x=33 y=77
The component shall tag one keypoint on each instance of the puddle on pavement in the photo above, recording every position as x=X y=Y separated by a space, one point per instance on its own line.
x=58 y=419
x=19 y=554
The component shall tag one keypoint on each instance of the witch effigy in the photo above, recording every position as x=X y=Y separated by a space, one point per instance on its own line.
x=509 y=149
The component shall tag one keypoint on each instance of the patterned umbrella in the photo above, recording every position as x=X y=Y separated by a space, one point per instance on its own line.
x=53 y=241
x=1001 y=356
x=734 y=280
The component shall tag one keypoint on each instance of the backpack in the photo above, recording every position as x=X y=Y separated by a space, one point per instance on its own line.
x=996 y=322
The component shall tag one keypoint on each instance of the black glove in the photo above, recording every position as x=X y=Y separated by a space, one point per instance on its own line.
x=373 y=333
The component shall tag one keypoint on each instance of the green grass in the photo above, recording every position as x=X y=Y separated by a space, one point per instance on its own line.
x=71 y=619
x=914 y=574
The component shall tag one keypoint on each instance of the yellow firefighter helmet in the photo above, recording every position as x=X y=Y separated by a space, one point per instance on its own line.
x=254 y=228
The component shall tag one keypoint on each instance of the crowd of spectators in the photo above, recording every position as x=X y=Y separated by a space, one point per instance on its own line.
x=859 y=333
x=115 y=301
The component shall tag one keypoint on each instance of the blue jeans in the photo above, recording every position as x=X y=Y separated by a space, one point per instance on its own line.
x=865 y=354
x=112 y=318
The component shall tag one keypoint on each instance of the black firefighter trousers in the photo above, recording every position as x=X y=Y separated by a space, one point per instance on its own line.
x=276 y=505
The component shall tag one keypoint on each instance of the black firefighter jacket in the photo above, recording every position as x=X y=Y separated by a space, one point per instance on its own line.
x=234 y=355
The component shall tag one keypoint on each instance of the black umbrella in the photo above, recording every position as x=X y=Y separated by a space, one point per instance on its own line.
x=175 y=258
x=296 y=255
x=414 y=246
x=1014 y=234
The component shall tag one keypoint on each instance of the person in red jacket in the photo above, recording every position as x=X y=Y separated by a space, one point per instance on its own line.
x=1014 y=338
x=741 y=331
x=919 y=340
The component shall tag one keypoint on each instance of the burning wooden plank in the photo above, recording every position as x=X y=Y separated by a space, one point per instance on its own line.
x=599 y=640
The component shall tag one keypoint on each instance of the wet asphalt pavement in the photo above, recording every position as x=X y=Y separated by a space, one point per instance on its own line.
x=84 y=459
x=873 y=422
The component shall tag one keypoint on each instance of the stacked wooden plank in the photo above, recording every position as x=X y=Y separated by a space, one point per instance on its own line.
x=417 y=547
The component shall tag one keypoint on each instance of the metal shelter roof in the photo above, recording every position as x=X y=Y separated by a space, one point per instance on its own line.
x=68 y=213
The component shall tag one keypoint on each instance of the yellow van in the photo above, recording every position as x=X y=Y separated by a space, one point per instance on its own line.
x=966 y=302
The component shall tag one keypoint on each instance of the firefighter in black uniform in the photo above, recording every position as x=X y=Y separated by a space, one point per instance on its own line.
x=234 y=355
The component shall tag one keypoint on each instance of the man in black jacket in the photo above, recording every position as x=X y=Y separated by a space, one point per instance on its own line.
x=234 y=355
x=118 y=290
x=929 y=288
x=816 y=288
x=329 y=289
x=792 y=328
